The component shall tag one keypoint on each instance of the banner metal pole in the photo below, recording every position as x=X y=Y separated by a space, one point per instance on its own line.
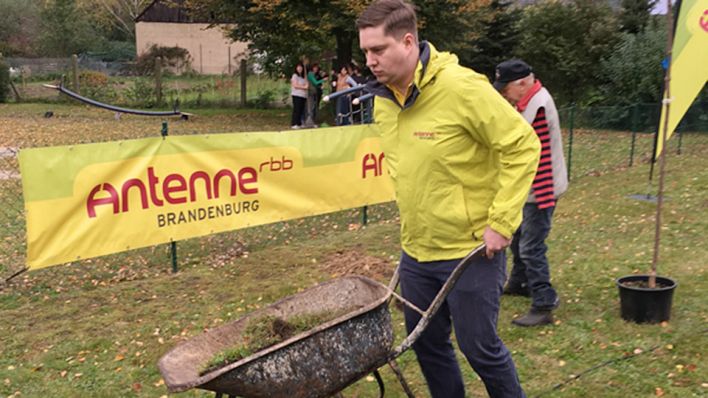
x=173 y=244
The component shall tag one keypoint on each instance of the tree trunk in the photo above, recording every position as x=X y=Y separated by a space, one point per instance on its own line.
x=345 y=40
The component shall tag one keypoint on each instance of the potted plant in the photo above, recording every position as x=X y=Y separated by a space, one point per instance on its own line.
x=647 y=298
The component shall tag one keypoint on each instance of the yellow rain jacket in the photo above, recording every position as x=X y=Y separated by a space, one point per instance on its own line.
x=460 y=156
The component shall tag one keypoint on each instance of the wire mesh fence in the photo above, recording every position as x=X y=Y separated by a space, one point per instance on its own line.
x=597 y=140
x=641 y=117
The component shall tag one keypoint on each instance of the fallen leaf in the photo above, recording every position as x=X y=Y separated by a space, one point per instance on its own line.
x=659 y=392
x=119 y=357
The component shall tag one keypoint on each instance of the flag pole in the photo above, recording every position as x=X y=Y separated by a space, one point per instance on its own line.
x=662 y=156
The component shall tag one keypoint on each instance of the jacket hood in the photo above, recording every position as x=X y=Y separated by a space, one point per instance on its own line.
x=433 y=62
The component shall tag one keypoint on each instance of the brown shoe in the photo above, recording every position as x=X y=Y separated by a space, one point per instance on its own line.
x=534 y=318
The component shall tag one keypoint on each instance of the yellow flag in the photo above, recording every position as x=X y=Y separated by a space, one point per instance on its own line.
x=689 y=64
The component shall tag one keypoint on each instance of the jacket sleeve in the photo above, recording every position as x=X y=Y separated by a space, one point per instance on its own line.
x=493 y=122
x=312 y=79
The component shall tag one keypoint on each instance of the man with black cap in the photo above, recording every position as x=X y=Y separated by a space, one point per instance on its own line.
x=530 y=275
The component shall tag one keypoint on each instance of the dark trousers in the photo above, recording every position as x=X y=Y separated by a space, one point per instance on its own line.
x=474 y=306
x=299 y=104
x=529 y=248
x=314 y=105
x=344 y=110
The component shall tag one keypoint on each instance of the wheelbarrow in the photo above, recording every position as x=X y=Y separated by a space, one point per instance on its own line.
x=317 y=363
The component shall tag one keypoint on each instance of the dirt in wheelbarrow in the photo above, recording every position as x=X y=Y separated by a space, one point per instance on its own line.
x=357 y=262
x=264 y=331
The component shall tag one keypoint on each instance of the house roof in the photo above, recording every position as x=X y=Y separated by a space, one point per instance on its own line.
x=170 y=11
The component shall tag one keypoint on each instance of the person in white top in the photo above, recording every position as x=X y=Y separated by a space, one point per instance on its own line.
x=298 y=91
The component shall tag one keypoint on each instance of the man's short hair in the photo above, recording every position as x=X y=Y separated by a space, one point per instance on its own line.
x=396 y=16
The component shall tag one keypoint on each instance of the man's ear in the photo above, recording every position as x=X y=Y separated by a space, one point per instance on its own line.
x=409 y=40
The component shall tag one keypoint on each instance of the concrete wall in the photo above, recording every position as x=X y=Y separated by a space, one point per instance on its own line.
x=208 y=48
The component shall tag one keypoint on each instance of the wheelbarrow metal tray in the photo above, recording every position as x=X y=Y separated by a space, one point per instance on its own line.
x=316 y=363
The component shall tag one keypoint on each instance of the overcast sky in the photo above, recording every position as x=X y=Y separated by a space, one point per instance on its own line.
x=660 y=7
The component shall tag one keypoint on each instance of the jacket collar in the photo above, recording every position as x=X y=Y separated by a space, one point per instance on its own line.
x=381 y=90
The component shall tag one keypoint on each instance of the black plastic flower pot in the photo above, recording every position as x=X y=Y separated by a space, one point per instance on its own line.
x=641 y=304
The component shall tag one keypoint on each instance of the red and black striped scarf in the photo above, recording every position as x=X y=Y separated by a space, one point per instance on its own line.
x=543 y=181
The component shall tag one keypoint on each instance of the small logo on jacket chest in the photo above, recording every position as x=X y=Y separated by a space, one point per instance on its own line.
x=425 y=135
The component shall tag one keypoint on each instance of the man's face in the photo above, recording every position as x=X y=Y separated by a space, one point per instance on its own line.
x=514 y=91
x=385 y=55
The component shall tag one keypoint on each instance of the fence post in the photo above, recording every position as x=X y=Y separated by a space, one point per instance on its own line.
x=158 y=82
x=229 y=60
x=570 y=138
x=75 y=72
x=244 y=74
x=173 y=244
x=635 y=111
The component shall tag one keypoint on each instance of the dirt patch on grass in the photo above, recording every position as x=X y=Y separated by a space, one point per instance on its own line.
x=357 y=262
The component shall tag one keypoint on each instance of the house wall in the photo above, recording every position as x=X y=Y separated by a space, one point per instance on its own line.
x=208 y=48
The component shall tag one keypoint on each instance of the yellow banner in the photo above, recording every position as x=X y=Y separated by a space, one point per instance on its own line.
x=90 y=200
x=689 y=64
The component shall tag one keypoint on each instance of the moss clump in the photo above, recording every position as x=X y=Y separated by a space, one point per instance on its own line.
x=267 y=330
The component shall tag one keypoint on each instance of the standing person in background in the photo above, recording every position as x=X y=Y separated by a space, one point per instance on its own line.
x=344 y=103
x=530 y=274
x=462 y=161
x=358 y=80
x=315 y=80
x=298 y=92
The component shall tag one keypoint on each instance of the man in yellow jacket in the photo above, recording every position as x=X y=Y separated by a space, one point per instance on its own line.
x=462 y=161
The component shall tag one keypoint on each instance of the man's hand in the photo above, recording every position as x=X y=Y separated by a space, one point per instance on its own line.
x=495 y=241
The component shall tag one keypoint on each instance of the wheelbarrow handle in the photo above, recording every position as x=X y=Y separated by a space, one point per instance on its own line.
x=437 y=301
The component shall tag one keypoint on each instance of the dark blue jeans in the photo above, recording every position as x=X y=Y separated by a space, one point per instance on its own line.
x=529 y=248
x=344 y=110
x=472 y=308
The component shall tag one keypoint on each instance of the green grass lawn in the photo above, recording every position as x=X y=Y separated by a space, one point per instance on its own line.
x=98 y=327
